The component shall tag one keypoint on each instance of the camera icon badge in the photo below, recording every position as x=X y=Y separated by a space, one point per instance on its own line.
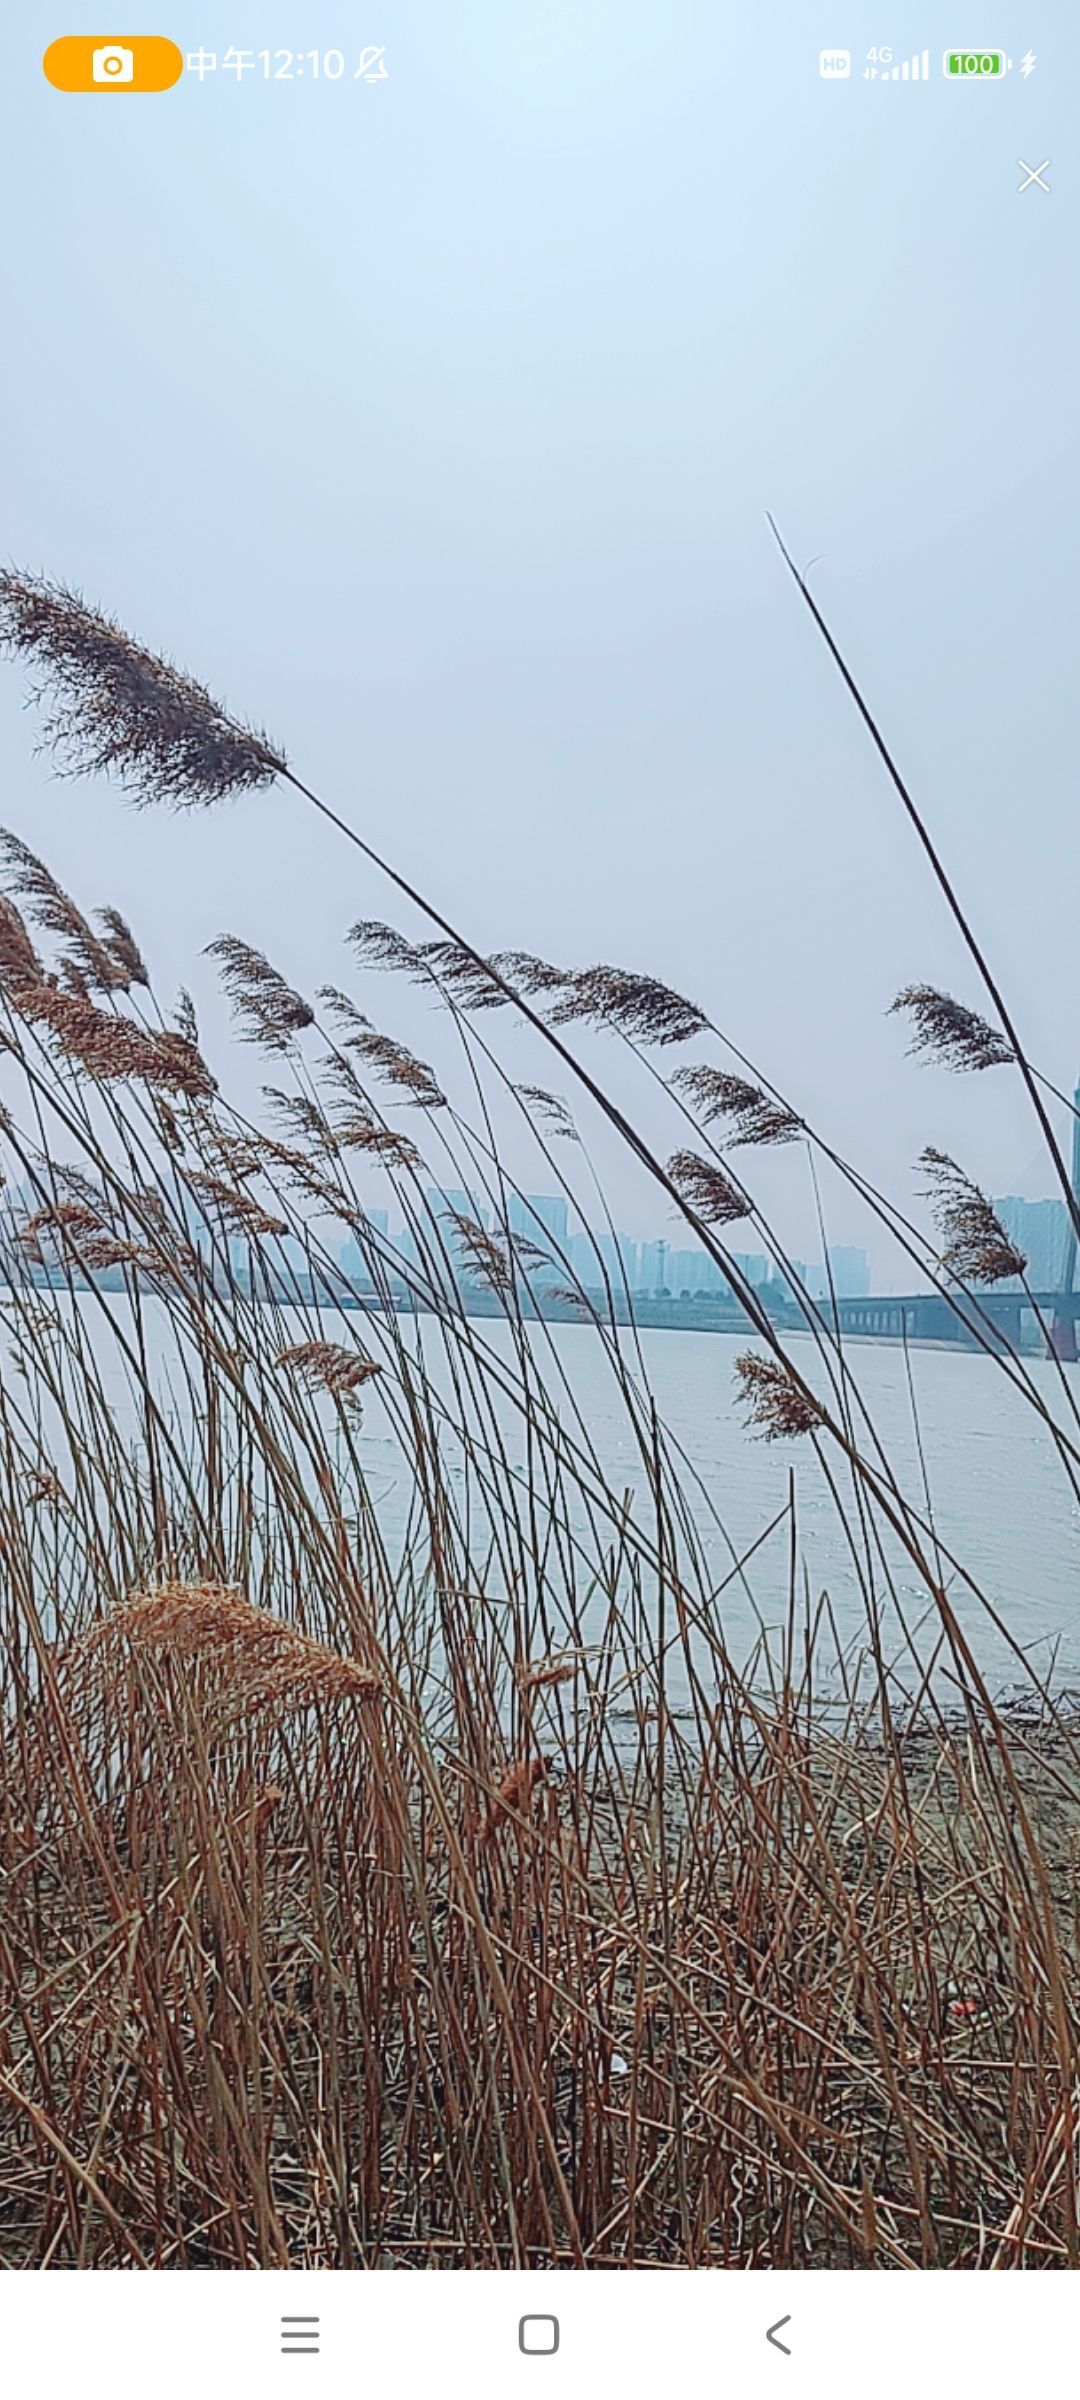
x=113 y=64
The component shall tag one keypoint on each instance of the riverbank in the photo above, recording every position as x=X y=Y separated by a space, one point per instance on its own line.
x=772 y=1995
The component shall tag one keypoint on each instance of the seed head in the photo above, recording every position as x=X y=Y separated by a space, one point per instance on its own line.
x=380 y=945
x=237 y=1211
x=245 y=1661
x=469 y=981
x=976 y=1247
x=482 y=1254
x=397 y=1065
x=548 y=1106
x=757 y=1119
x=110 y=1047
x=325 y=1366
x=547 y=1672
x=712 y=1193
x=20 y=967
x=640 y=1006
x=515 y=1794
x=92 y=964
x=122 y=947
x=778 y=1406
x=271 y=1013
x=112 y=708
x=947 y=1030
x=531 y=975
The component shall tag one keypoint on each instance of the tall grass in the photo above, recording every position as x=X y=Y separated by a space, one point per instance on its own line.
x=430 y=1884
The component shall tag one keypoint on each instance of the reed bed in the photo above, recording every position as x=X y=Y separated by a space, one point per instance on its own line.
x=446 y=1893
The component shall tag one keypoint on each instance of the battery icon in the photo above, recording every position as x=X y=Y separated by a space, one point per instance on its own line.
x=972 y=63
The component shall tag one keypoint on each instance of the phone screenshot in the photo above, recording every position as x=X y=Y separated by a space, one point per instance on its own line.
x=540 y=1199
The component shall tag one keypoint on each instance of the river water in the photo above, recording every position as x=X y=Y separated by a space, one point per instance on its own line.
x=998 y=1496
x=966 y=1448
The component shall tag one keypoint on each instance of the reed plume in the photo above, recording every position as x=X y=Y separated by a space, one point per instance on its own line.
x=111 y=707
x=344 y=1010
x=79 y=1232
x=548 y=1106
x=533 y=976
x=20 y=967
x=186 y=1020
x=638 y=1005
x=248 y=1660
x=270 y=1012
x=471 y=983
x=945 y=1029
x=711 y=1194
x=378 y=945
x=236 y=1210
x=546 y=1673
x=123 y=949
x=354 y=1124
x=357 y=1128
x=111 y=1047
x=482 y=1254
x=515 y=1794
x=325 y=1366
x=757 y=1118
x=976 y=1246
x=397 y=1065
x=304 y=1118
x=778 y=1407
x=98 y=964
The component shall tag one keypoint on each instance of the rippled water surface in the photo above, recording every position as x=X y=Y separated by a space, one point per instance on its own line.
x=999 y=1497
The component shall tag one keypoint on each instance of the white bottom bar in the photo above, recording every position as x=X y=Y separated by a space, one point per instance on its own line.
x=621 y=2336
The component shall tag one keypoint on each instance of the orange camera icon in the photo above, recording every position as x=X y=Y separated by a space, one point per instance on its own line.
x=123 y=62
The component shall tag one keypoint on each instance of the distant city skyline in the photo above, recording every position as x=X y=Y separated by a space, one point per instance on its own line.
x=649 y=1268
x=655 y=1266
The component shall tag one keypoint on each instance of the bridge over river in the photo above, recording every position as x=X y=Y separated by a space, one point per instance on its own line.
x=964 y=1319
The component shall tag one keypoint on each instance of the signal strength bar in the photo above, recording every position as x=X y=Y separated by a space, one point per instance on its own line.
x=913 y=70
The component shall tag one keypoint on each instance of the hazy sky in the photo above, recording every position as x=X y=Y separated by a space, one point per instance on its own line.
x=433 y=423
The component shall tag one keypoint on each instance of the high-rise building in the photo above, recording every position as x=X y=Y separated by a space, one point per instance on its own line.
x=597 y=1257
x=850 y=1272
x=582 y=1257
x=457 y=1204
x=541 y=1218
x=753 y=1264
x=1040 y=1228
x=693 y=1271
x=353 y=1256
x=651 y=1271
x=620 y=1260
x=406 y=1247
x=531 y=1213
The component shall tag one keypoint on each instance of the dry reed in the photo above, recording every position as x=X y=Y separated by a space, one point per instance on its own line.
x=455 y=1897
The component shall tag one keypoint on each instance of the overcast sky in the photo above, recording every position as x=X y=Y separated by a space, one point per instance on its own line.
x=433 y=423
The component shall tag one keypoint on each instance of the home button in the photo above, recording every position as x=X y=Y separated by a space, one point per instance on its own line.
x=538 y=2337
